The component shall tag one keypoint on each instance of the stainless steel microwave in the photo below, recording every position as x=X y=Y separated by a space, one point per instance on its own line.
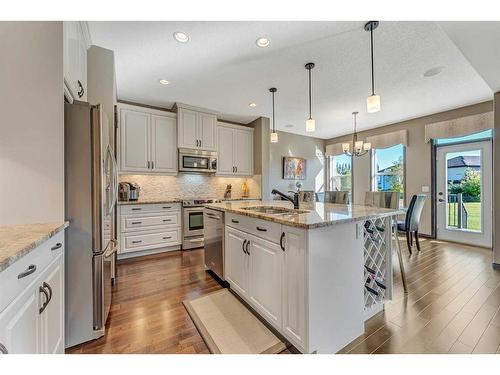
x=197 y=161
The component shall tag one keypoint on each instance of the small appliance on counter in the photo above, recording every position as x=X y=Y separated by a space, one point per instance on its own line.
x=227 y=193
x=134 y=191
x=128 y=191
x=192 y=223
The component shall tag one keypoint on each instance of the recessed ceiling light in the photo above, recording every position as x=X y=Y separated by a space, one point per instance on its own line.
x=164 y=81
x=433 y=71
x=181 y=37
x=253 y=105
x=288 y=126
x=262 y=42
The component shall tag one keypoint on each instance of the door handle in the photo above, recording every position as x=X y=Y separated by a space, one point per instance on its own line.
x=441 y=200
x=46 y=285
x=152 y=165
x=56 y=246
x=246 y=247
x=235 y=221
x=243 y=246
x=281 y=241
x=31 y=268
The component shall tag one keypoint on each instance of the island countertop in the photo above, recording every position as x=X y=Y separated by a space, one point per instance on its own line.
x=18 y=240
x=318 y=215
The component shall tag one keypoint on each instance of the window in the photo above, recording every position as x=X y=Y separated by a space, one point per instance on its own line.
x=340 y=173
x=485 y=134
x=388 y=170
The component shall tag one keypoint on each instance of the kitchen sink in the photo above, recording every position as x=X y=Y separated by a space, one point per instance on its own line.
x=271 y=210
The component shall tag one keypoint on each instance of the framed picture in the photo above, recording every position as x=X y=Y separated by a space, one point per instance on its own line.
x=294 y=168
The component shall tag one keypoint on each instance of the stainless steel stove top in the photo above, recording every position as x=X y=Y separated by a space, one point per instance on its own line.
x=198 y=202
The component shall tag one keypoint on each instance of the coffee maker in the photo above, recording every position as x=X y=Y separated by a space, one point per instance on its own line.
x=128 y=191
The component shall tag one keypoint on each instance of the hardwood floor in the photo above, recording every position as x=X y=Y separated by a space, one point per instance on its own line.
x=452 y=305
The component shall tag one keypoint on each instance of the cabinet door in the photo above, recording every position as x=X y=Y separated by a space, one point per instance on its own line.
x=75 y=59
x=225 y=164
x=164 y=144
x=134 y=141
x=20 y=323
x=265 y=278
x=243 y=152
x=207 y=128
x=52 y=318
x=294 y=285
x=236 y=261
x=187 y=128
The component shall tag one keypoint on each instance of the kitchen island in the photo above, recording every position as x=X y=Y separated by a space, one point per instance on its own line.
x=314 y=274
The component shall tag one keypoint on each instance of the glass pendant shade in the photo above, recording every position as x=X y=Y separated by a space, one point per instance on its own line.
x=367 y=146
x=373 y=103
x=274 y=137
x=310 y=125
x=346 y=147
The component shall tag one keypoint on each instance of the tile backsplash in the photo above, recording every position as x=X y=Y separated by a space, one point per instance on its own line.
x=192 y=186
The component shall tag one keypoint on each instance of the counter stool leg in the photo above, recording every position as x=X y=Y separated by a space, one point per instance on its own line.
x=400 y=256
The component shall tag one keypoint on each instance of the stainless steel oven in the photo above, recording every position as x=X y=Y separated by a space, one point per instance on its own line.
x=192 y=223
x=197 y=161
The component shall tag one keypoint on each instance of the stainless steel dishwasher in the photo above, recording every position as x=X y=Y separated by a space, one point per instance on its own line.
x=213 y=221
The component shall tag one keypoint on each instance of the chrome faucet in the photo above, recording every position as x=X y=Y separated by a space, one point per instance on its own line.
x=295 y=199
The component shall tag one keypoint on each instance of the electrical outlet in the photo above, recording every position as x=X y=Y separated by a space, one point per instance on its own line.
x=425 y=189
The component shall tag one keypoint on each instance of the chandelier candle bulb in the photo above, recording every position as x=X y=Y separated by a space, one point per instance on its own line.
x=367 y=146
x=310 y=125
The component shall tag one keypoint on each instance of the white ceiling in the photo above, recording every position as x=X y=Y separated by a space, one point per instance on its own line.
x=221 y=68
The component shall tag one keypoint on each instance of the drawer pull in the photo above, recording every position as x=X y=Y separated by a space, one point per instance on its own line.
x=29 y=271
x=137 y=241
x=47 y=299
x=166 y=220
x=261 y=229
x=167 y=238
x=136 y=208
x=136 y=222
x=246 y=247
x=235 y=221
x=56 y=246
x=167 y=207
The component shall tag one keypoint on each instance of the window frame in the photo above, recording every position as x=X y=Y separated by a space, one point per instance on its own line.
x=330 y=176
x=373 y=174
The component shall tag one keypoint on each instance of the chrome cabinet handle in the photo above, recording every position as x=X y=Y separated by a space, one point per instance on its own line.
x=42 y=290
x=56 y=246
x=243 y=246
x=281 y=241
x=235 y=221
x=246 y=247
x=81 y=91
x=138 y=241
x=136 y=222
x=167 y=238
x=261 y=229
x=136 y=209
x=3 y=349
x=31 y=268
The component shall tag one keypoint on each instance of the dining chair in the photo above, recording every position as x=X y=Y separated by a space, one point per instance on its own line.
x=307 y=196
x=338 y=197
x=410 y=224
x=320 y=196
x=389 y=199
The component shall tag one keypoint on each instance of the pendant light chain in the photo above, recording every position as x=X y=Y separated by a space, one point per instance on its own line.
x=310 y=94
x=373 y=74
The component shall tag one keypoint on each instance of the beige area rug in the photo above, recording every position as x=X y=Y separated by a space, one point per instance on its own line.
x=228 y=327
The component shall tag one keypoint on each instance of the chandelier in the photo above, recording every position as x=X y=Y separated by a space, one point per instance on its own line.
x=357 y=148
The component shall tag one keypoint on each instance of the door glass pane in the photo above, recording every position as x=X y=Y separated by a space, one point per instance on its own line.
x=463 y=185
x=195 y=220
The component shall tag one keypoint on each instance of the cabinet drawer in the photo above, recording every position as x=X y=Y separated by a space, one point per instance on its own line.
x=127 y=209
x=146 y=240
x=11 y=286
x=154 y=221
x=258 y=227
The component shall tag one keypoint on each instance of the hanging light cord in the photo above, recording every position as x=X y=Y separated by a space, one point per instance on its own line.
x=371 y=45
x=310 y=94
x=274 y=127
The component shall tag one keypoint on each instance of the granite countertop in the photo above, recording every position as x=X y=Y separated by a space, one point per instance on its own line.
x=18 y=240
x=151 y=201
x=319 y=215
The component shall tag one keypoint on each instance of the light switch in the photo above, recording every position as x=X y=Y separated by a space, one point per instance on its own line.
x=425 y=189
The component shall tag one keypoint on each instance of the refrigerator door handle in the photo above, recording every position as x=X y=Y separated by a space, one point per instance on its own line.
x=114 y=183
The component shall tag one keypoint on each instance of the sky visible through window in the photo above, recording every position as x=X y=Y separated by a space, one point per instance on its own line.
x=387 y=156
x=471 y=137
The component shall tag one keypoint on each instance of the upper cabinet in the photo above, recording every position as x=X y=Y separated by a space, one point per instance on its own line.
x=196 y=129
x=76 y=42
x=235 y=150
x=147 y=140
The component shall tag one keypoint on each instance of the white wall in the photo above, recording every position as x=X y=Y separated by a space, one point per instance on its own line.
x=31 y=126
x=311 y=149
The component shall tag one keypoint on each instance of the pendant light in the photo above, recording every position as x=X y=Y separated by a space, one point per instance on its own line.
x=359 y=148
x=274 y=134
x=310 y=123
x=373 y=101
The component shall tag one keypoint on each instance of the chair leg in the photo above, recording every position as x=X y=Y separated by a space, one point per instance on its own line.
x=416 y=240
x=408 y=241
x=400 y=258
x=411 y=239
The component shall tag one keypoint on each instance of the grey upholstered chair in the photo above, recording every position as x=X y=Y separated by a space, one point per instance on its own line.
x=307 y=196
x=410 y=225
x=338 y=197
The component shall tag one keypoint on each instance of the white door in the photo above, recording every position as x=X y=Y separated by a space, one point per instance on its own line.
x=187 y=128
x=225 y=164
x=164 y=144
x=134 y=141
x=464 y=188
x=243 y=152
x=265 y=278
x=294 y=285
x=207 y=124
x=20 y=324
x=52 y=318
x=236 y=260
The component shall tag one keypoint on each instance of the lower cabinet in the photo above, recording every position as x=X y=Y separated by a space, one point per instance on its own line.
x=34 y=321
x=236 y=261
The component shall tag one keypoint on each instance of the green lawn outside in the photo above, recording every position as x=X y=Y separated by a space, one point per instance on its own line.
x=474 y=215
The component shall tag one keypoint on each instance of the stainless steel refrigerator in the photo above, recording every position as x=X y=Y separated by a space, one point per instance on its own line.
x=91 y=181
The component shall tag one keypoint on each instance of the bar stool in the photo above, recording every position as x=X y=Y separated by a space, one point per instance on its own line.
x=337 y=197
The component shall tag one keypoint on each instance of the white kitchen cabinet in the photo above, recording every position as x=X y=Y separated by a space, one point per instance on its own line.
x=294 y=285
x=76 y=42
x=236 y=260
x=235 y=150
x=33 y=321
x=265 y=265
x=196 y=129
x=147 y=141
